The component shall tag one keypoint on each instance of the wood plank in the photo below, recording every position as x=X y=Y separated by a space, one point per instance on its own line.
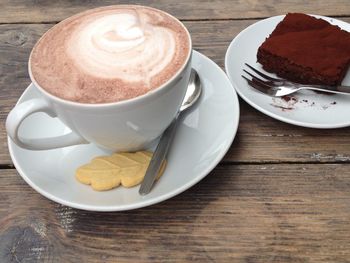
x=259 y=139
x=32 y=11
x=245 y=213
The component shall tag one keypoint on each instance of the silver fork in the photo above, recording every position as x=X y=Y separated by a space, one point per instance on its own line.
x=277 y=87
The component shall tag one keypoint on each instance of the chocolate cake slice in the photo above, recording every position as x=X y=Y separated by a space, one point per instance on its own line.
x=306 y=50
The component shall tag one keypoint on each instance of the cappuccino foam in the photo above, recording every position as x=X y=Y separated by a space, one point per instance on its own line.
x=110 y=54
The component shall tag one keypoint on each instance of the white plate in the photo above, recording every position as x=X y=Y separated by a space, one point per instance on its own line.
x=310 y=110
x=202 y=139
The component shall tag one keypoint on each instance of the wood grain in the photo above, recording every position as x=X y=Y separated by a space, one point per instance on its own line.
x=239 y=213
x=281 y=194
x=33 y=11
x=259 y=139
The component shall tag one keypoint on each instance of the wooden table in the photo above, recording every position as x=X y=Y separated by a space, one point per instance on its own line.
x=281 y=194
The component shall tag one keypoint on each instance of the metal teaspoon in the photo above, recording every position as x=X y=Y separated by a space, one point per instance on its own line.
x=193 y=92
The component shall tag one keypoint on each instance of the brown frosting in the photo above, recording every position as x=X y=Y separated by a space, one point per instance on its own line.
x=306 y=49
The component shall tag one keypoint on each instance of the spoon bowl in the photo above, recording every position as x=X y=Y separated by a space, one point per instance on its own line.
x=193 y=92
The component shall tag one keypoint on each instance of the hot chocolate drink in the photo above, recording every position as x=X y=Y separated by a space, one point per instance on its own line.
x=110 y=54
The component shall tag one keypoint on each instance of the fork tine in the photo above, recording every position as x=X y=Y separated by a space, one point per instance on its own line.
x=262 y=74
x=250 y=74
x=263 y=83
x=260 y=86
x=254 y=77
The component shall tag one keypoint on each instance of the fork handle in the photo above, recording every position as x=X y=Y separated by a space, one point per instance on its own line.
x=337 y=89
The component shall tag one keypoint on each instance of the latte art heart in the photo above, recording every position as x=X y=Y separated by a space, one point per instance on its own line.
x=110 y=54
x=123 y=46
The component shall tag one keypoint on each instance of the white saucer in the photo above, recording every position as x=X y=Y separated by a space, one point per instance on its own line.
x=310 y=109
x=202 y=139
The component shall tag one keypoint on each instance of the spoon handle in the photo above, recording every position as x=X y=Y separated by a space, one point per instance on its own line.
x=158 y=157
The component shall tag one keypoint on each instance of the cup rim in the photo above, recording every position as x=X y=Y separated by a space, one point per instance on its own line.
x=136 y=99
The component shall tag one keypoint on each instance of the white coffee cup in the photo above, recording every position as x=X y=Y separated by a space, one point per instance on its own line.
x=120 y=126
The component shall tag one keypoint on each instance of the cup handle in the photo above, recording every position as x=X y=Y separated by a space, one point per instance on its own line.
x=22 y=111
